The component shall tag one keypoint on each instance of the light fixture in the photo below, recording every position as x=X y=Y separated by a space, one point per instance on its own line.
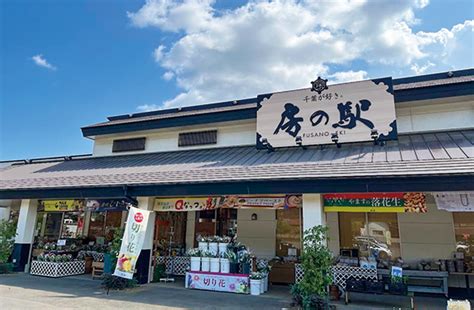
x=374 y=134
x=267 y=145
x=254 y=217
x=299 y=142
x=335 y=139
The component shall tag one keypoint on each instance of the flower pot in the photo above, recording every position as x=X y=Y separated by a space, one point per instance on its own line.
x=203 y=246
x=215 y=264
x=234 y=267
x=223 y=247
x=262 y=286
x=213 y=248
x=205 y=264
x=225 y=265
x=246 y=268
x=195 y=263
x=255 y=287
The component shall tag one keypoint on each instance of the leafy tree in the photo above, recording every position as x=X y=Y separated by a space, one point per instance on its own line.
x=316 y=261
x=7 y=239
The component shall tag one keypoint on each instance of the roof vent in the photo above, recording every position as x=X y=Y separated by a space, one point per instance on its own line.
x=450 y=74
x=197 y=138
x=128 y=145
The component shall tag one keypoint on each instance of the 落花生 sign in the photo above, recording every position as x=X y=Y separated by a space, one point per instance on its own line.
x=354 y=112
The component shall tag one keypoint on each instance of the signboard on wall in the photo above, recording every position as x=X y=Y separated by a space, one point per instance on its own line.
x=186 y=203
x=132 y=242
x=455 y=201
x=101 y=205
x=232 y=283
x=61 y=205
x=375 y=202
x=353 y=111
x=270 y=201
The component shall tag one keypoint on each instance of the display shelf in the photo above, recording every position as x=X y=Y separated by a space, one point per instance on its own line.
x=56 y=270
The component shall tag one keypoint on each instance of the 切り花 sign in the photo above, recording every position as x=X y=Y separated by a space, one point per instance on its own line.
x=357 y=111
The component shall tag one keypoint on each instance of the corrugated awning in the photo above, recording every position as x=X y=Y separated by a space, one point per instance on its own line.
x=433 y=154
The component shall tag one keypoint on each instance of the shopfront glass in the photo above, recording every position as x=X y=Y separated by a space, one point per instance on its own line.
x=288 y=232
x=103 y=224
x=464 y=232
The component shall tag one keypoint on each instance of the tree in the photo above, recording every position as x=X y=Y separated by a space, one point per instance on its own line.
x=7 y=239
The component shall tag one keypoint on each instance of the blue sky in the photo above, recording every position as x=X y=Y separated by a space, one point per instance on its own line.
x=67 y=64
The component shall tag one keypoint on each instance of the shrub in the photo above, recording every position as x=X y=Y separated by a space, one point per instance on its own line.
x=7 y=239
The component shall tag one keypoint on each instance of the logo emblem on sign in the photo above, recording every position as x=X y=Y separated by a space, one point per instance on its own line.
x=138 y=217
x=319 y=85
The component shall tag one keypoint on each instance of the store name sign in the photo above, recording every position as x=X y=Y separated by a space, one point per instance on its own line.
x=186 y=204
x=61 y=205
x=218 y=282
x=375 y=202
x=349 y=112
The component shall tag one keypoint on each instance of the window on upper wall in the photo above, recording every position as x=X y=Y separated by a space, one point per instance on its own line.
x=373 y=234
x=464 y=232
x=128 y=145
x=197 y=138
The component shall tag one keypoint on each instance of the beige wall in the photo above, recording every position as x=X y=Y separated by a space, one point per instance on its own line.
x=190 y=223
x=428 y=235
x=260 y=235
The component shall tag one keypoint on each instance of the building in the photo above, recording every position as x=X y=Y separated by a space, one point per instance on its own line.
x=195 y=153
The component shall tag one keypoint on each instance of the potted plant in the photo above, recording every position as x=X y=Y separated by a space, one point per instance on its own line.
x=225 y=261
x=7 y=240
x=255 y=283
x=244 y=260
x=398 y=285
x=264 y=268
x=195 y=255
x=215 y=263
x=224 y=243
x=205 y=260
x=214 y=244
x=202 y=243
x=233 y=261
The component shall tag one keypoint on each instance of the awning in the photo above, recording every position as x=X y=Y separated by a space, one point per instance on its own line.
x=434 y=161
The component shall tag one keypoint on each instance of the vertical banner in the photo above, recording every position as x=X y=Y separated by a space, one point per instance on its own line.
x=132 y=242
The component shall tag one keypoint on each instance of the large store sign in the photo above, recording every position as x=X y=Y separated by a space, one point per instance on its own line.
x=186 y=203
x=102 y=205
x=132 y=242
x=455 y=201
x=375 y=202
x=232 y=283
x=61 y=205
x=349 y=112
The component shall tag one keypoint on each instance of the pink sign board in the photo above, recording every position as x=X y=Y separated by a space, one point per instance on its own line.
x=232 y=283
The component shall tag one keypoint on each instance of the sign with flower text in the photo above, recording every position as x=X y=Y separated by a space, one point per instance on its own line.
x=186 y=203
x=132 y=242
x=375 y=202
x=232 y=283
x=348 y=112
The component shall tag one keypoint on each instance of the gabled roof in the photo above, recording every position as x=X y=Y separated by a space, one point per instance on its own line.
x=433 y=155
x=439 y=85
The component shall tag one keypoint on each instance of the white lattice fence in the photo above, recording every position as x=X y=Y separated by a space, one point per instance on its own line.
x=177 y=265
x=55 y=270
x=298 y=273
x=340 y=274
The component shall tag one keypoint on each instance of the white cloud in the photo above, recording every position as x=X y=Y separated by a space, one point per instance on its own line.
x=147 y=107
x=42 y=62
x=271 y=46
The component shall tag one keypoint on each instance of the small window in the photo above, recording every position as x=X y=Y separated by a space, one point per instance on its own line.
x=197 y=138
x=127 y=145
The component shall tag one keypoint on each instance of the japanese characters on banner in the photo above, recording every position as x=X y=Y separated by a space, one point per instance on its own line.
x=270 y=201
x=455 y=201
x=357 y=111
x=101 y=205
x=61 y=205
x=375 y=202
x=132 y=242
x=233 y=283
x=186 y=204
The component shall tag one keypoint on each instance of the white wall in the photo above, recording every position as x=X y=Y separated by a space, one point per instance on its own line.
x=228 y=134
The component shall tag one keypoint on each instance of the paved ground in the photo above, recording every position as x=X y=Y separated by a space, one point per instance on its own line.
x=22 y=291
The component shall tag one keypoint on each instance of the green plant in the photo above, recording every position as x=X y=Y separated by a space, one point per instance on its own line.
x=117 y=283
x=7 y=239
x=256 y=276
x=115 y=246
x=194 y=252
x=316 y=262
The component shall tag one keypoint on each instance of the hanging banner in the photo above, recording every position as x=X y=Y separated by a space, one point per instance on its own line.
x=232 y=283
x=455 y=201
x=61 y=205
x=102 y=205
x=132 y=242
x=375 y=202
x=348 y=112
x=187 y=204
x=269 y=201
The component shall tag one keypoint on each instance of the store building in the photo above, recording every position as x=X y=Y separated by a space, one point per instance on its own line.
x=356 y=178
